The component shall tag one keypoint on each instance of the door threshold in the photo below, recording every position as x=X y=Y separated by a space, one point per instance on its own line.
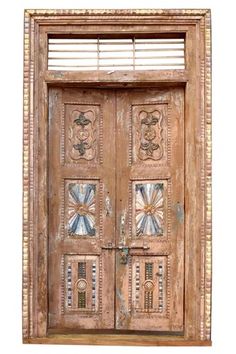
x=117 y=339
x=69 y=331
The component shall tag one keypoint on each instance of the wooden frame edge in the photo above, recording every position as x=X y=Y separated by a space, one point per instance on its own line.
x=116 y=12
x=26 y=145
x=208 y=173
x=28 y=178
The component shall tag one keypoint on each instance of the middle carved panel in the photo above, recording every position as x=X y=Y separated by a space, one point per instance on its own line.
x=150 y=203
x=81 y=208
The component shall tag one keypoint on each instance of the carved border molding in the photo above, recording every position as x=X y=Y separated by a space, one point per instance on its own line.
x=181 y=13
x=208 y=181
x=33 y=19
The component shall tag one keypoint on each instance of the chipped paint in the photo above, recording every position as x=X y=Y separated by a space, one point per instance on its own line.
x=123 y=313
x=179 y=210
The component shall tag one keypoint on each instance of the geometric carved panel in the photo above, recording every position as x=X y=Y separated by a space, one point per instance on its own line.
x=150 y=133
x=81 y=207
x=81 y=130
x=81 y=283
x=149 y=284
x=149 y=208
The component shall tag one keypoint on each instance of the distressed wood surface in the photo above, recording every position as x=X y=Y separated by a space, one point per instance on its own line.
x=74 y=167
x=139 y=168
x=195 y=25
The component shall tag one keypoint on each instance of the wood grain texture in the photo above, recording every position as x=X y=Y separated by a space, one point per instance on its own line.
x=140 y=170
x=78 y=169
x=195 y=25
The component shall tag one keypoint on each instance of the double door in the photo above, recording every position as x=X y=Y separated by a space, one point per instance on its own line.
x=116 y=209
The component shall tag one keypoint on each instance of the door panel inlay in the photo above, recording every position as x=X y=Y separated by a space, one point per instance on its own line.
x=81 y=283
x=149 y=284
x=81 y=208
x=149 y=209
x=150 y=201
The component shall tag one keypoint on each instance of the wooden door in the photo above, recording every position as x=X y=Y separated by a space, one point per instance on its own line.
x=82 y=208
x=116 y=203
x=150 y=205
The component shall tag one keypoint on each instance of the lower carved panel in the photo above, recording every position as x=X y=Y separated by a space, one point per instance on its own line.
x=81 y=283
x=149 y=284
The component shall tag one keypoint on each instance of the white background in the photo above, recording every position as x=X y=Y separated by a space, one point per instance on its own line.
x=224 y=160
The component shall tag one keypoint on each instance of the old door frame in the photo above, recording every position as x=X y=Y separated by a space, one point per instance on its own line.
x=195 y=26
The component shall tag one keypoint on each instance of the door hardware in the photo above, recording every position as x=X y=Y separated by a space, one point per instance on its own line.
x=110 y=246
x=124 y=255
x=124 y=250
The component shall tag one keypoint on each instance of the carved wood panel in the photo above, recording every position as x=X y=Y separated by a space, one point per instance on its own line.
x=150 y=133
x=150 y=281
x=82 y=208
x=81 y=286
x=81 y=132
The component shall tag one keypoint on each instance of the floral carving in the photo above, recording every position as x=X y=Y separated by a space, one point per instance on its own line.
x=82 y=135
x=82 y=120
x=151 y=146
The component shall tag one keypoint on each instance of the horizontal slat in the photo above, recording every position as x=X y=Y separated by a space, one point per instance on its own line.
x=141 y=57
x=115 y=65
x=118 y=54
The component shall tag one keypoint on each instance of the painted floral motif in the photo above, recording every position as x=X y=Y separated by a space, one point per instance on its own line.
x=81 y=211
x=149 y=209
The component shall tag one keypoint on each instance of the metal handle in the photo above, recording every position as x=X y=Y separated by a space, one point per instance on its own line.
x=144 y=247
x=111 y=246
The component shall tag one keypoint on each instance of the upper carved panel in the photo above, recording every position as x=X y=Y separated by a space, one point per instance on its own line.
x=151 y=142
x=150 y=134
x=81 y=134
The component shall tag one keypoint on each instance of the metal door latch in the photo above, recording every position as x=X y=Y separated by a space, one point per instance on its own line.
x=124 y=255
x=124 y=250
